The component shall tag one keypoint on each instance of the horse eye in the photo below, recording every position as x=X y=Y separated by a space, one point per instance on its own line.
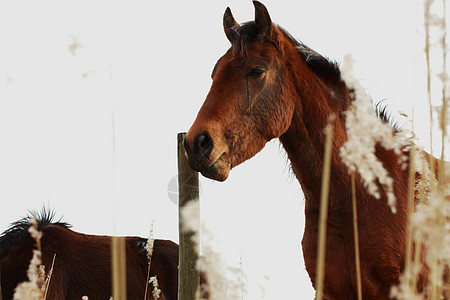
x=257 y=72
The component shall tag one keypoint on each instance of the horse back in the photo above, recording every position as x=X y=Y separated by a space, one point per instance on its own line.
x=82 y=265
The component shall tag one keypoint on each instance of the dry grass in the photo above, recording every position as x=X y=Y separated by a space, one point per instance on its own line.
x=356 y=239
x=119 y=272
x=223 y=281
x=411 y=189
x=323 y=213
x=35 y=287
x=156 y=291
x=118 y=252
x=149 y=248
x=49 y=277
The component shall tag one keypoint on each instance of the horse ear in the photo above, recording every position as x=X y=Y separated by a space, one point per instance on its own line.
x=230 y=25
x=263 y=21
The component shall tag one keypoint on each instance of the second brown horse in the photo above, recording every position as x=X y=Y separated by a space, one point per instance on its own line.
x=83 y=262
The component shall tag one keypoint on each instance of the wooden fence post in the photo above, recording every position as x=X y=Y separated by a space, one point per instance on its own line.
x=188 y=190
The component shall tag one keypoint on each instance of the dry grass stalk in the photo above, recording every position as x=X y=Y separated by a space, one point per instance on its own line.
x=433 y=219
x=149 y=248
x=147 y=281
x=156 y=291
x=415 y=263
x=49 y=277
x=444 y=77
x=411 y=189
x=429 y=231
x=427 y=24
x=33 y=288
x=428 y=228
x=323 y=213
x=118 y=253
x=364 y=130
x=406 y=289
x=423 y=187
x=431 y=223
x=224 y=281
x=356 y=239
x=119 y=276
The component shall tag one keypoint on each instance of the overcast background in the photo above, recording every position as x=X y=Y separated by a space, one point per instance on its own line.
x=65 y=65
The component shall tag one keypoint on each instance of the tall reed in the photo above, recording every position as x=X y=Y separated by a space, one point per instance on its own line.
x=444 y=77
x=320 y=271
x=118 y=262
x=356 y=239
x=118 y=252
x=427 y=24
x=49 y=277
x=409 y=235
x=441 y=194
x=149 y=247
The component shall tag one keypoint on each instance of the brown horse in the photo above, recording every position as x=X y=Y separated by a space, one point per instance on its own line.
x=268 y=85
x=83 y=262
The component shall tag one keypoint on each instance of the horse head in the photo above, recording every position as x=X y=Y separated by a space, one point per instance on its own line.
x=249 y=102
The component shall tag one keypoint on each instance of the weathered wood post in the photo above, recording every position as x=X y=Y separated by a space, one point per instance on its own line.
x=188 y=276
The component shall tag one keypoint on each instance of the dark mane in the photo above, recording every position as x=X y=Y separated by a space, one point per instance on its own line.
x=322 y=66
x=329 y=71
x=383 y=113
x=18 y=230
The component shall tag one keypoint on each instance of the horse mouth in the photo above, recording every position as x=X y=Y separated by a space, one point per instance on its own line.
x=217 y=170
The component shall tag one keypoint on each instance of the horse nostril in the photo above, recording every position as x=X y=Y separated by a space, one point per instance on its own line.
x=203 y=144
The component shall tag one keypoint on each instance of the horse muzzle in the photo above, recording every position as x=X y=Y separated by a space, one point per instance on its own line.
x=205 y=158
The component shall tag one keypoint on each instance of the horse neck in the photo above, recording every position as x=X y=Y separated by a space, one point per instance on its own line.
x=317 y=104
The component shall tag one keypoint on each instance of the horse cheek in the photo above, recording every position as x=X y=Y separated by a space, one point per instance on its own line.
x=281 y=119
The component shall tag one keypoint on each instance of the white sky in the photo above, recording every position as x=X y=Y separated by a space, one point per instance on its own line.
x=152 y=61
